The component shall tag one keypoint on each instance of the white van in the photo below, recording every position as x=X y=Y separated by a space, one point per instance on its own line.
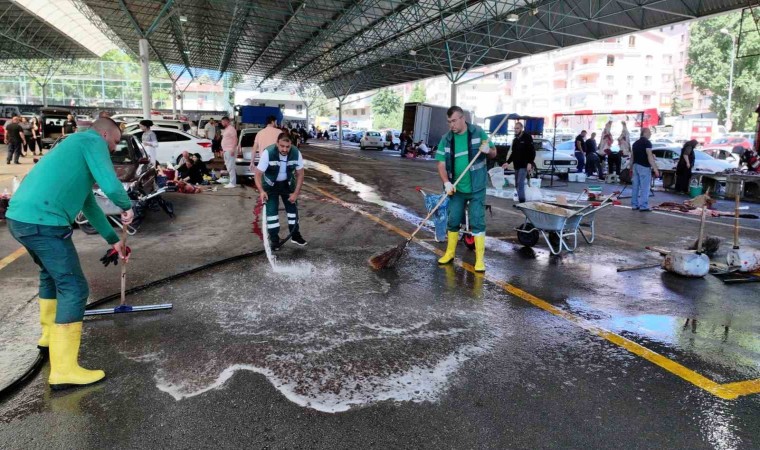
x=202 y=124
x=173 y=124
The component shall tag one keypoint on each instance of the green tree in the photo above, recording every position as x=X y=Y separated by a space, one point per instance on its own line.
x=386 y=102
x=710 y=58
x=675 y=99
x=418 y=93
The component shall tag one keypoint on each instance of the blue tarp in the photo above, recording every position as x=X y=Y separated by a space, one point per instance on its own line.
x=533 y=125
x=441 y=217
x=258 y=114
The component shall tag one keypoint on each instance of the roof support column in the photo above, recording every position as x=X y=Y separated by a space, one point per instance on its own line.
x=145 y=66
x=340 y=122
x=453 y=94
x=44 y=94
x=174 y=98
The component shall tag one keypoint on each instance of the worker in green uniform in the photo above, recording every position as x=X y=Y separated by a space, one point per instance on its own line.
x=279 y=175
x=457 y=148
x=40 y=216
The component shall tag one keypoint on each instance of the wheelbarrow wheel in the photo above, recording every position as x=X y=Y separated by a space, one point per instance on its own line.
x=469 y=241
x=528 y=236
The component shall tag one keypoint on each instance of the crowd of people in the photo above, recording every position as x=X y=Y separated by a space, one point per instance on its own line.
x=592 y=156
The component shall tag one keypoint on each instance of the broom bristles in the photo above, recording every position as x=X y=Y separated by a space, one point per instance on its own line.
x=388 y=259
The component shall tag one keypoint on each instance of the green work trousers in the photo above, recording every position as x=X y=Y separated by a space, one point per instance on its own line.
x=280 y=190
x=476 y=204
x=61 y=274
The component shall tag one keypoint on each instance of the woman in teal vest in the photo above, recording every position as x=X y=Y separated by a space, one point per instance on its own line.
x=280 y=174
x=455 y=151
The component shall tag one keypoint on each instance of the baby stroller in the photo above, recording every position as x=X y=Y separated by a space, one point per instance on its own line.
x=441 y=218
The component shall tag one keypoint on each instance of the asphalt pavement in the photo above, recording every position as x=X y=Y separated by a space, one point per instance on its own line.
x=540 y=352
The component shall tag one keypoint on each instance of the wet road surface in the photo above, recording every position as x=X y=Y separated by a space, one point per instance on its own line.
x=334 y=355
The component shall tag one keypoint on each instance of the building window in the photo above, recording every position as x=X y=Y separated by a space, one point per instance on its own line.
x=649 y=60
x=647 y=99
x=668 y=59
x=281 y=106
x=632 y=41
x=610 y=60
x=262 y=104
x=680 y=56
x=507 y=75
x=608 y=99
x=665 y=99
x=647 y=80
x=628 y=99
x=584 y=61
x=610 y=80
x=683 y=37
x=680 y=73
x=629 y=81
x=667 y=78
x=364 y=111
x=299 y=108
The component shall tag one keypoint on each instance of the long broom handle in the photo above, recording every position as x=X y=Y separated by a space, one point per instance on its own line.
x=124 y=266
x=443 y=197
x=736 y=222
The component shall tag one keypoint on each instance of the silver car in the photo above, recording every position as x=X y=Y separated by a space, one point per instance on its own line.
x=245 y=141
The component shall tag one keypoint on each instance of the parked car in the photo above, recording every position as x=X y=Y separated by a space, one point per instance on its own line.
x=730 y=142
x=202 y=125
x=2 y=128
x=357 y=136
x=171 y=144
x=563 y=161
x=723 y=154
x=392 y=139
x=52 y=120
x=245 y=141
x=173 y=124
x=667 y=159
x=372 y=139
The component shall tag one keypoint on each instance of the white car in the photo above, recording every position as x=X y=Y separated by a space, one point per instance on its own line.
x=722 y=154
x=173 y=124
x=372 y=139
x=667 y=159
x=171 y=144
x=564 y=162
x=245 y=141
x=395 y=139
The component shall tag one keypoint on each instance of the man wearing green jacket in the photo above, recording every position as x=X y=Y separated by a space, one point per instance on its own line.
x=463 y=143
x=40 y=216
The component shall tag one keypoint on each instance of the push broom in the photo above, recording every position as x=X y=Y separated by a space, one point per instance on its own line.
x=391 y=257
x=113 y=257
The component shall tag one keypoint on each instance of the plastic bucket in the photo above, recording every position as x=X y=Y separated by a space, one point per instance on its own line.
x=572 y=177
x=535 y=182
x=581 y=177
x=510 y=180
x=695 y=191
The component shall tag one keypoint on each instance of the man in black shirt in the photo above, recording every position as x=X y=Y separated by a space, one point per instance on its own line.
x=522 y=154
x=14 y=138
x=580 y=149
x=593 y=165
x=70 y=126
x=643 y=165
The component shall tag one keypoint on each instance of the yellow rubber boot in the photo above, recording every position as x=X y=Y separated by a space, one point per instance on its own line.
x=451 y=247
x=64 y=358
x=480 y=251
x=47 y=319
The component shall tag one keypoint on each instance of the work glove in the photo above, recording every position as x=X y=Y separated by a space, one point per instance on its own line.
x=485 y=148
x=449 y=188
x=112 y=256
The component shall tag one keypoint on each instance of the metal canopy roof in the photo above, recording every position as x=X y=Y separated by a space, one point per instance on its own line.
x=24 y=36
x=358 y=45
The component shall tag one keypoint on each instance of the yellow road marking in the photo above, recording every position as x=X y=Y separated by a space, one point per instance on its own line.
x=728 y=391
x=12 y=257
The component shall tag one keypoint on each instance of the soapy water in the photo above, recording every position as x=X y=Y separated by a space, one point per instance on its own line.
x=329 y=335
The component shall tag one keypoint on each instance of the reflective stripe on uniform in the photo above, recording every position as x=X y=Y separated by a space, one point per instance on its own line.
x=273 y=218
x=447 y=149
x=477 y=166
x=475 y=141
x=291 y=214
x=273 y=225
x=457 y=155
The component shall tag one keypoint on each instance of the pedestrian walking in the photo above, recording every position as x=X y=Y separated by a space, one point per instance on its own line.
x=40 y=216
x=457 y=148
x=279 y=175
x=149 y=140
x=69 y=126
x=643 y=164
x=36 y=135
x=26 y=127
x=230 y=149
x=522 y=155
x=580 y=150
x=685 y=166
x=14 y=139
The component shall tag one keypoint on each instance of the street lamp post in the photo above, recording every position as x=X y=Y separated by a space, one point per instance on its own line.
x=730 y=77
